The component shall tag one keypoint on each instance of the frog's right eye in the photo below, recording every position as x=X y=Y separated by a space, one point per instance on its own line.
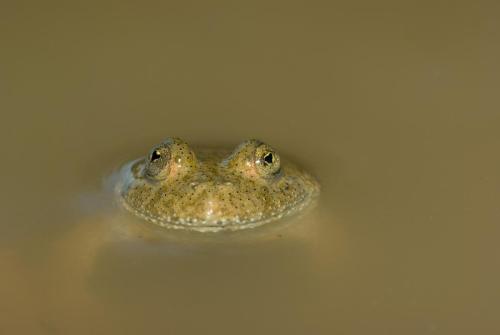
x=157 y=164
x=267 y=160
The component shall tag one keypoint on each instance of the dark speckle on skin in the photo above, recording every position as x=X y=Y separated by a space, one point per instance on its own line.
x=214 y=189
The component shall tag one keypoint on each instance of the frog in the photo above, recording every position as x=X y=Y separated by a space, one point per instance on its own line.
x=214 y=189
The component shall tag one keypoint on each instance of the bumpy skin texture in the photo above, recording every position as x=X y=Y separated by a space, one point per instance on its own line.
x=214 y=190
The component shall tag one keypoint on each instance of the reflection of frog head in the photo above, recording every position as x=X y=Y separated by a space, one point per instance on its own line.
x=215 y=189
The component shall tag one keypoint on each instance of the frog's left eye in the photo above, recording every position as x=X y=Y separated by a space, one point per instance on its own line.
x=267 y=160
x=155 y=155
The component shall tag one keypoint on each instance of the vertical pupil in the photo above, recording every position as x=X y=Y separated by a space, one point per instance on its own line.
x=268 y=158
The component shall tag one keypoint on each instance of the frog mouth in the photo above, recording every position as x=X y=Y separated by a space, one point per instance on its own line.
x=218 y=225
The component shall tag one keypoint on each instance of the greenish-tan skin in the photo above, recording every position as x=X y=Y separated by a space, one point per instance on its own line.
x=213 y=190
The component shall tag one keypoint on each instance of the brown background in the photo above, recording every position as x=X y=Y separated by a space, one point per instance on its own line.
x=394 y=106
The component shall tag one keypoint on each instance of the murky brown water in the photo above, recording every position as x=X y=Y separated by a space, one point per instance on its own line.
x=395 y=108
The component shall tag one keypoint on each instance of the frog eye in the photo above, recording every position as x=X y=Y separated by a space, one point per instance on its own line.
x=158 y=162
x=155 y=155
x=267 y=160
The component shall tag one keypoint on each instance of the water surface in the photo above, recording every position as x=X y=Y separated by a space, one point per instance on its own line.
x=394 y=108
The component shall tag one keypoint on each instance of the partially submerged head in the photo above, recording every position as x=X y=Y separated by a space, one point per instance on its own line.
x=213 y=190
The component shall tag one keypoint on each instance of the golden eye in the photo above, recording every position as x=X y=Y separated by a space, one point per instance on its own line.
x=158 y=163
x=171 y=152
x=267 y=160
